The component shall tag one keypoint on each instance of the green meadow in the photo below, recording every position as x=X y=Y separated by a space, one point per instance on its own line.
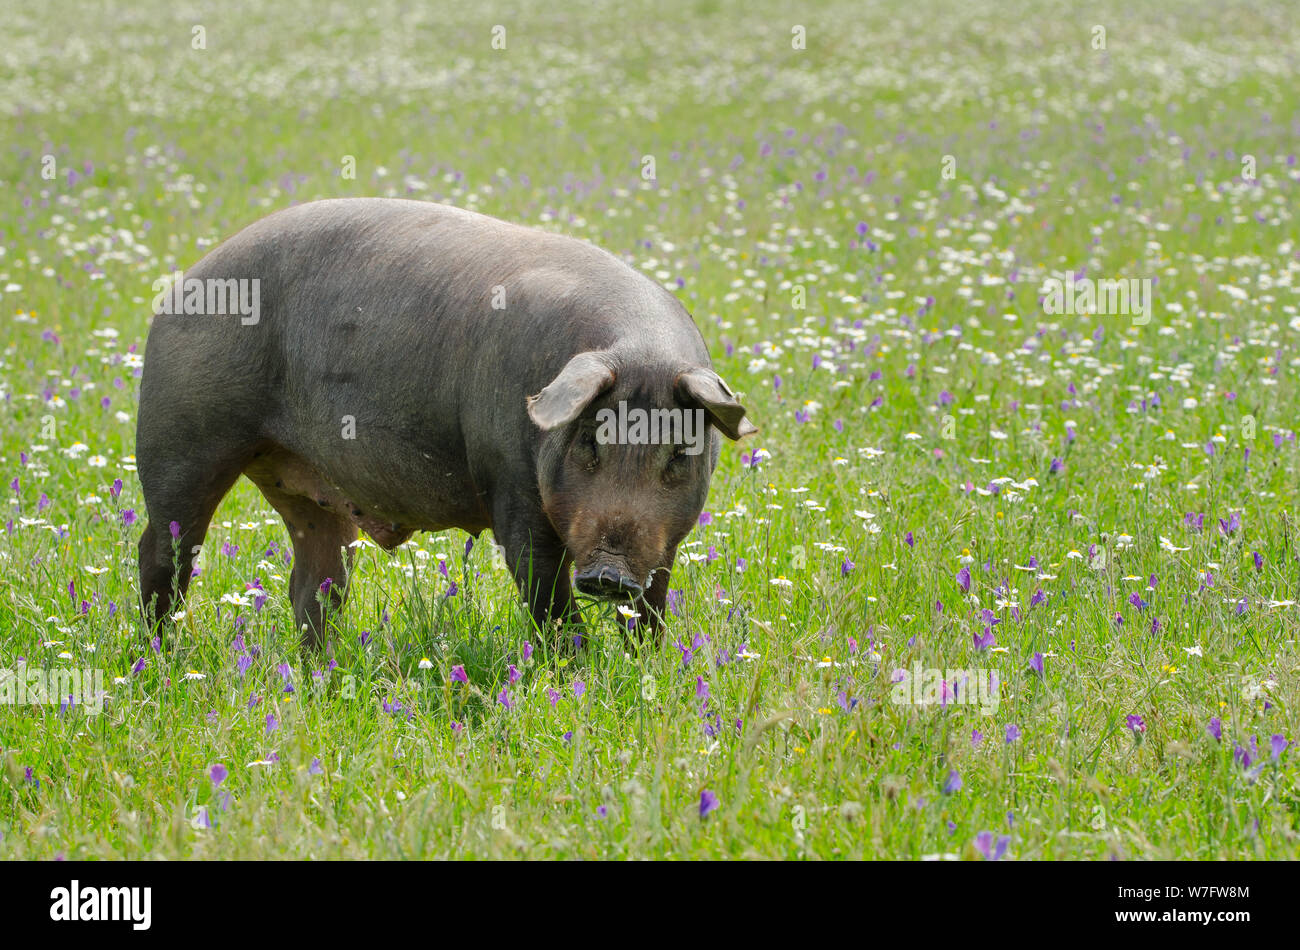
x=1009 y=572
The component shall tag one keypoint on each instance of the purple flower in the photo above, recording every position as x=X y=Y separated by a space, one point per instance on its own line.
x=527 y=651
x=1243 y=756
x=272 y=723
x=1036 y=663
x=513 y=675
x=976 y=737
x=1013 y=733
x=218 y=774
x=1259 y=561
x=1057 y=466
x=315 y=768
x=579 y=687
x=983 y=642
x=953 y=785
x=1278 y=745
x=1136 y=724
x=1136 y=600
x=963 y=579
x=708 y=802
x=553 y=695
x=504 y=699
x=846 y=567
x=458 y=674
x=984 y=843
x=1215 y=728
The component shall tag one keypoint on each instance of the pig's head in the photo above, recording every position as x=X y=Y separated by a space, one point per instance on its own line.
x=624 y=463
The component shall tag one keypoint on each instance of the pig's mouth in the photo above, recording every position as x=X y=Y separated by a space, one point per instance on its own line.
x=609 y=579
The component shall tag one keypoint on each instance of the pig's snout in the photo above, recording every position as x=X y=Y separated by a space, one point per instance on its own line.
x=608 y=582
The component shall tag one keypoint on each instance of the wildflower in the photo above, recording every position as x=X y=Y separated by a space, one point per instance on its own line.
x=963 y=579
x=708 y=802
x=984 y=844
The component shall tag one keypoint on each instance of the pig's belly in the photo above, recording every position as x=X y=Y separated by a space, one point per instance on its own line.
x=388 y=503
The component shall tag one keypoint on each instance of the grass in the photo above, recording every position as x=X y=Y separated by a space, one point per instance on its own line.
x=911 y=412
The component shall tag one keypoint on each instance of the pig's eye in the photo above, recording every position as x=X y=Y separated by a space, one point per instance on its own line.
x=678 y=460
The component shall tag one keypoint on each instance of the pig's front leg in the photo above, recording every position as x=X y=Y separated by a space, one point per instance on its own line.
x=540 y=566
x=653 y=604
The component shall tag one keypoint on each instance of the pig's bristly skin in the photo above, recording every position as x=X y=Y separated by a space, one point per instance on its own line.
x=379 y=389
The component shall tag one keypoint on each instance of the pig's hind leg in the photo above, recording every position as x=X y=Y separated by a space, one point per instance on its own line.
x=182 y=487
x=320 y=568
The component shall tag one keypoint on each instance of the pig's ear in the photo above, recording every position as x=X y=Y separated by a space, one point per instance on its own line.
x=584 y=378
x=705 y=388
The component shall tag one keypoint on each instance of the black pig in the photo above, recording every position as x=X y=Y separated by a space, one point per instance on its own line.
x=399 y=366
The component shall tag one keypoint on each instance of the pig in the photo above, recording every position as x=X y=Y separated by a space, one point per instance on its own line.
x=389 y=366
